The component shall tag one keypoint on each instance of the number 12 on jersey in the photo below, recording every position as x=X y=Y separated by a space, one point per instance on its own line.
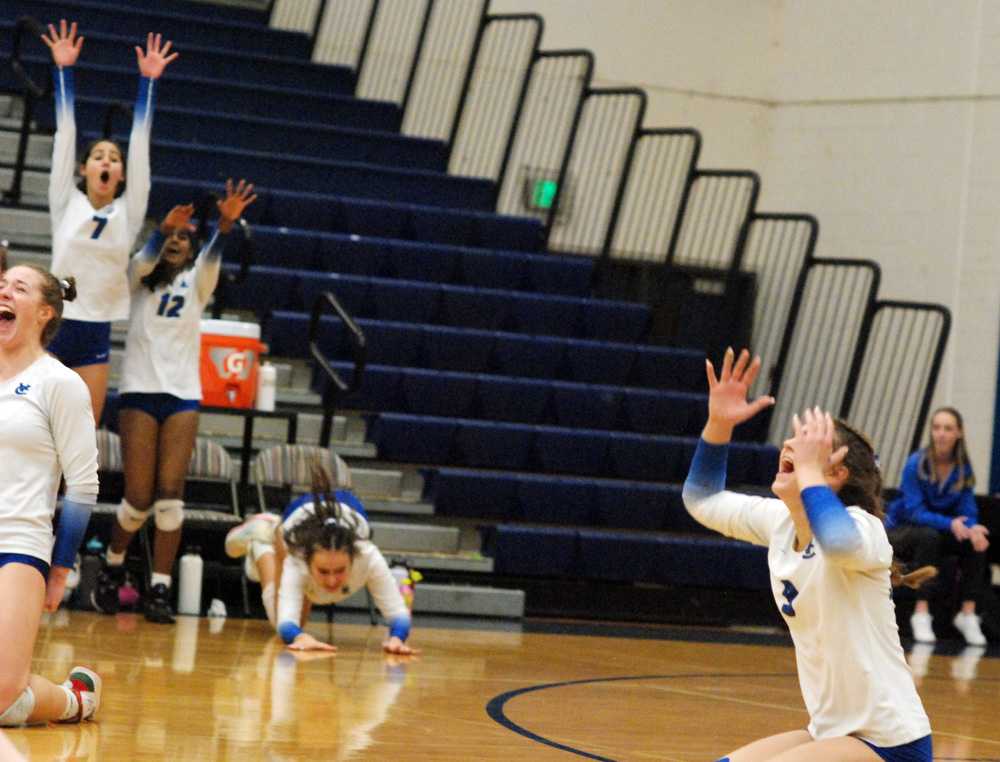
x=170 y=306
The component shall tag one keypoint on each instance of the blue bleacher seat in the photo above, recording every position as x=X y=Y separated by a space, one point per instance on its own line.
x=456 y=348
x=547 y=314
x=632 y=505
x=536 y=551
x=560 y=274
x=381 y=387
x=422 y=261
x=599 y=362
x=618 y=556
x=350 y=254
x=413 y=438
x=392 y=343
x=475 y=308
x=494 y=269
x=494 y=445
x=615 y=321
x=476 y=494
x=531 y=356
x=522 y=400
x=554 y=500
x=654 y=411
x=405 y=300
x=352 y=291
x=572 y=451
x=635 y=456
x=669 y=368
x=580 y=405
x=437 y=392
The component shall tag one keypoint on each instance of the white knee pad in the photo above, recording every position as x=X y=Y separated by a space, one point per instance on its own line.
x=131 y=518
x=17 y=713
x=169 y=514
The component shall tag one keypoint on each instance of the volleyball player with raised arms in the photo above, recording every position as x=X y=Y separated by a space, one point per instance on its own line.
x=160 y=391
x=46 y=434
x=830 y=565
x=94 y=226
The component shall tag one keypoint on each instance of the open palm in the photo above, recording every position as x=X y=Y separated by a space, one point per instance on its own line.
x=727 y=394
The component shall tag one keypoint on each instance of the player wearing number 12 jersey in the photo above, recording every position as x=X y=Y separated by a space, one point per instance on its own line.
x=161 y=391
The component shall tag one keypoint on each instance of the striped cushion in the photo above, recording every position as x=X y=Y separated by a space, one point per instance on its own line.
x=209 y=460
x=109 y=451
x=292 y=464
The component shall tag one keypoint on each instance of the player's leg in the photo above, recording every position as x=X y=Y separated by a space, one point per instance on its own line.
x=139 y=431
x=176 y=442
x=844 y=749
x=768 y=748
x=27 y=698
x=96 y=378
x=254 y=539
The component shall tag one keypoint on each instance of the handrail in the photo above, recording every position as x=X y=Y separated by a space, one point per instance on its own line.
x=359 y=355
x=32 y=93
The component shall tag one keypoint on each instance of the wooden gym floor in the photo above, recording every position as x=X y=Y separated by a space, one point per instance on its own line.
x=226 y=690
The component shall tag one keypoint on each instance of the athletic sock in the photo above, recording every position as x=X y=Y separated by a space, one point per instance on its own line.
x=115 y=559
x=72 y=709
x=160 y=579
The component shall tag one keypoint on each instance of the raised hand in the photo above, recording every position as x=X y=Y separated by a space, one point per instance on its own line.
x=811 y=447
x=154 y=59
x=727 y=395
x=178 y=218
x=65 y=45
x=237 y=199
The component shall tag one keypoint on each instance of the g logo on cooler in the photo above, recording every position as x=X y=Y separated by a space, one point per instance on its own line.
x=232 y=363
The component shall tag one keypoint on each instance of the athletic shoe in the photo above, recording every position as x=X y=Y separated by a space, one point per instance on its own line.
x=156 y=605
x=968 y=625
x=86 y=686
x=259 y=527
x=923 y=630
x=104 y=596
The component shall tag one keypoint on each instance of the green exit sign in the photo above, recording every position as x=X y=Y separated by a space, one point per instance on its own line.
x=543 y=193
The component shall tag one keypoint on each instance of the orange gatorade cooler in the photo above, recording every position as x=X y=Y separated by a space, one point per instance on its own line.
x=230 y=351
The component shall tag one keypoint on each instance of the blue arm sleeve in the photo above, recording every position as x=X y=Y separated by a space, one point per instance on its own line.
x=400 y=628
x=831 y=524
x=707 y=474
x=73 y=522
x=289 y=631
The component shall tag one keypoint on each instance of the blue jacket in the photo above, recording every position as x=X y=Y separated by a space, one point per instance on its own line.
x=931 y=504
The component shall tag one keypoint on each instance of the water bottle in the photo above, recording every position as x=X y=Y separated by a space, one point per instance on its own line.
x=267 y=382
x=189 y=594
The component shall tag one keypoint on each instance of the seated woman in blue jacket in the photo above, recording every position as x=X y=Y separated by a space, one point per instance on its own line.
x=935 y=516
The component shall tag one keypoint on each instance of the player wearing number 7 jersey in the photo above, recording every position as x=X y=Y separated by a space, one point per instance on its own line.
x=831 y=570
x=94 y=226
x=161 y=391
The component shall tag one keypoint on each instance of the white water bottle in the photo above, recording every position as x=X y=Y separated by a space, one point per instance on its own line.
x=189 y=594
x=267 y=382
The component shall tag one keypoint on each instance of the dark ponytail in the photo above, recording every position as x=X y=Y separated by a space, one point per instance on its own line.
x=326 y=528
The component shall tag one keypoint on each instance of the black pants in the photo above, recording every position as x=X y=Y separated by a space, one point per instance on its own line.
x=917 y=545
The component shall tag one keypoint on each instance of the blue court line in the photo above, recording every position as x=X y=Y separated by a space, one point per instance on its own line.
x=495 y=706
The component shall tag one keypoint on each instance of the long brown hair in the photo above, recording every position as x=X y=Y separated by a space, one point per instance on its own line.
x=863 y=487
x=959 y=454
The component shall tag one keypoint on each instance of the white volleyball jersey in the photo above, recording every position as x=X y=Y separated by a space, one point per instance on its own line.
x=852 y=672
x=93 y=245
x=368 y=569
x=163 y=345
x=46 y=432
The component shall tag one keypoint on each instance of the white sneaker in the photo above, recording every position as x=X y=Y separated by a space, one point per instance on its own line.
x=968 y=625
x=86 y=685
x=923 y=630
x=260 y=527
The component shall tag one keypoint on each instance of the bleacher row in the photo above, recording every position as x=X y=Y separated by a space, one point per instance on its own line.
x=527 y=402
